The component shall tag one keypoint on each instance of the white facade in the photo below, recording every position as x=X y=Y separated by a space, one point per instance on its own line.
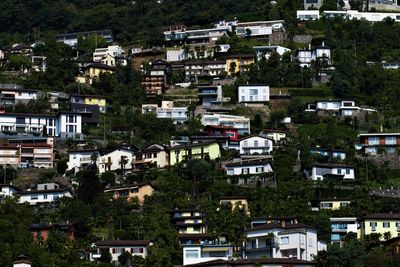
x=308 y=14
x=290 y=241
x=266 y=51
x=80 y=158
x=117 y=247
x=63 y=125
x=258 y=28
x=8 y=191
x=305 y=56
x=247 y=167
x=113 y=50
x=112 y=160
x=20 y=95
x=167 y=111
x=274 y=135
x=43 y=196
x=193 y=254
x=176 y=55
x=369 y=16
x=253 y=94
x=318 y=171
x=255 y=145
x=341 y=226
x=242 y=124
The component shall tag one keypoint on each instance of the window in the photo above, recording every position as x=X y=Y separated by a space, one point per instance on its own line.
x=118 y=250
x=154 y=155
x=245 y=143
x=373 y=140
x=255 y=143
x=229 y=171
x=284 y=240
x=386 y=224
x=192 y=254
x=390 y=140
x=253 y=91
x=45 y=196
x=71 y=118
x=245 y=171
x=343 y=204
x=339 y=171
x=34 y=197
x=373 y=225
x=71 y=128
x=398 y=226
x=259 y=169
x=326 y=205
x=347 y=171
x=137 y=250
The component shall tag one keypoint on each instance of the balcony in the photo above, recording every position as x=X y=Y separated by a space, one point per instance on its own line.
x=339 y=227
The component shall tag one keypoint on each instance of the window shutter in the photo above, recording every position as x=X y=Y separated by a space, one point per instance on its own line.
x=141 y=250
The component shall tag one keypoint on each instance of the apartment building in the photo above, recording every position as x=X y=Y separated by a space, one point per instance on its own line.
x=205 y=252
x=201 y=36
x=189 y=221
x=91 y=100
x=64 y=124
x=374 y=143
x=167 y=111
x=295 y=241
x=324 y=171
x=44 y=194
x=241 y=123
x=201 y=150
x=385 y=224
x=198 y=68
x=341 y=226
x=13 y=96
x=253 y=94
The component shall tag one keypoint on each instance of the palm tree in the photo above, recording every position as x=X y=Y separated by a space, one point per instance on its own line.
x=123 y=161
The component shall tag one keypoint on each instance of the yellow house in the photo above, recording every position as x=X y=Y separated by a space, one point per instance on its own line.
x=93 y=71
x=385 y=224
x=206 y=150
x=236 y=201
x=333 y=204
x=130 y=192
x=240 y=62
x=189 y=221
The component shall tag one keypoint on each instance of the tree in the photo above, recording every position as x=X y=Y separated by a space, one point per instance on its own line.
x=89 y=184
x=232 y=68
x=125 y=258
x=122 y=162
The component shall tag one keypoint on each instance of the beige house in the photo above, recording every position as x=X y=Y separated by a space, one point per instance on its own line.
x=130 y=192
x=236 y=202
x=93 y=71
x=153 y=155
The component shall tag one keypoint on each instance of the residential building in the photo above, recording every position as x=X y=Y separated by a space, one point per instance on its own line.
x=64 y=124
x=375 y=143
x=90 y=113
x=7 y=190
x=247 y=167
x=36 y=155
x=241 y=123
x=235 y=202
x=40 y=231
x=22 y=49
x=112 y=56
x=80 y=158
x=345 y=108
x=44 y=194
x=189 y=221
x=261 y=262
x=338 y=154
x=342 y=226
x=71 y=39
x=368 y=16
x=39 y=63
x=119 y=158
x=10 y=155
x=131 y=192
x=275 y=135
x=253 y=94
x=13 y=96
x=308 y=14
x=323 y=171
x=295 y=241
x=306 y=56
x=258 y=28
x=22 y=261
x=210 y=95
x=266 y=51
x=204 y=36
x=216 y=131
x=153 y=155
x=198 y=68
x=239 y=63
x=205 y=150
x=117 y=247
x=255 y=145
x=385 y=224
x=331 y=203
x=155 y=79
x=312 y=4
x=176 y=54
x=93 y=71
x=167 y=111
x=205 y=252
x=93 y=100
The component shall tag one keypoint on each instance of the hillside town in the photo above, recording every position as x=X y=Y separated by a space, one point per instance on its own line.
x=266 y=139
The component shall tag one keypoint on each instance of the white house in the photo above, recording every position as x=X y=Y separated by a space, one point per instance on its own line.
x=12 y=96
x=117 y=247
x=176 y=54
x=241 y=123
x=326 y=153
x=44 y=193
x=247 y=167
x=253 y=94
x=322 y=171
x=308 y=14
x=116 y=159
x=341 y=226
x=296 y=240
x=8 y=190
x=306 y=56
x=113 y=50
x=265 y=51
x=199 y=253
x=80 y=158
x=167 y=111
x=255 y=144
x=65 y=124
x=258 y=28
x=354 y=14
x=275 y=135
